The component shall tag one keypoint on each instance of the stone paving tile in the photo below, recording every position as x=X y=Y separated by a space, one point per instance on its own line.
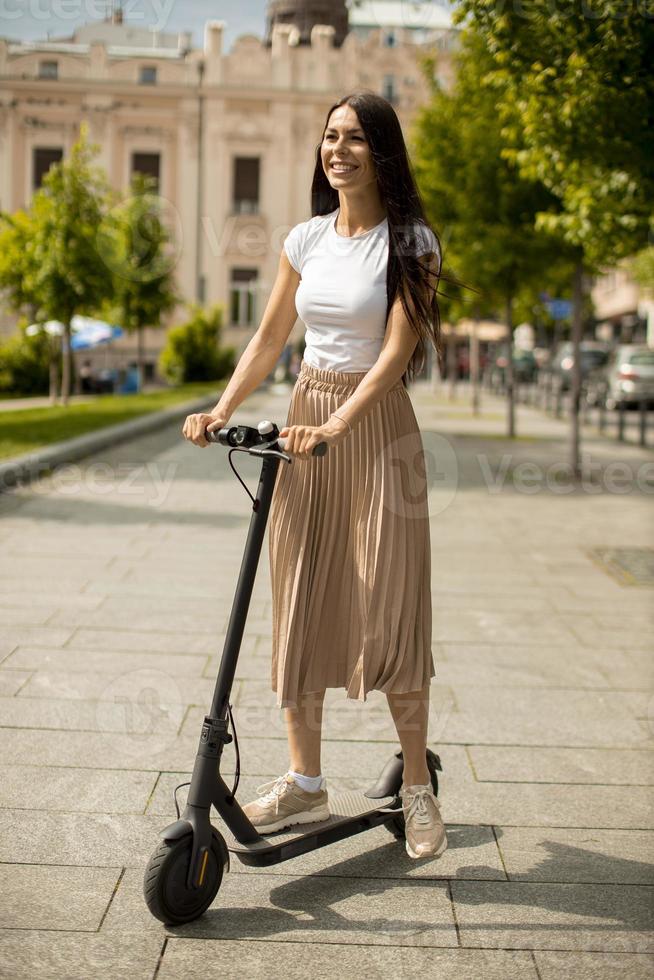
x=200 y=588
x=54 y=598
x=576 y=716
x=117 y=713
x=213 y=622
x=29 y=585
x=117 y=640
x=185 y=959
x=312 y=909
x=85 y=839
x=125 y=605
x=27 y=954
x=525 y=915
x=522 y=674
x=591 y=635
x=499 y=626
x=114 y=750
x=543 y=805
x=583 y=965
x=555 y=854
x=42 y=897
x=96 y=685
x=13 y=681
x=99 y=547
x=83 y=790
x=104 y=661
x=72 y=568
x=525 y=764
x=564 y=666
x=13 y=636
x=36 y=615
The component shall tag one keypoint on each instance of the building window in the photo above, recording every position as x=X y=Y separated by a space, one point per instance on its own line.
x=242 y=297
x=148 y=75
x=148 y=164
x=49 y=69
x=388 y=90
x=42 y=159
x=246 y=185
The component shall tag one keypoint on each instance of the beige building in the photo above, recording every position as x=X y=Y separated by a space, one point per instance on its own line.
x=624 y=309
x=230 y=136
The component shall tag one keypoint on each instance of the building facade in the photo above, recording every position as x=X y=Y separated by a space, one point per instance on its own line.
x=230 y=137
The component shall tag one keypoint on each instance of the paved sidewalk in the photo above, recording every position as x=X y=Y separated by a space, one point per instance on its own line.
x=117 y=578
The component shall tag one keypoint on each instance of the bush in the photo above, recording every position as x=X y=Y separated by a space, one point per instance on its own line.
x=25 y=365
x=193 y=352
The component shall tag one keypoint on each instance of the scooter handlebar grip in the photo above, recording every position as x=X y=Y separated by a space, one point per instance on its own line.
x=318 y=450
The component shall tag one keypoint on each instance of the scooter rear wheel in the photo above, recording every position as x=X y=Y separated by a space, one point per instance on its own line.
x=395 y=825
x=164 y=883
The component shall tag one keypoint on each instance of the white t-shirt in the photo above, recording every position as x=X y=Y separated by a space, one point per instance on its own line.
x=341 y=297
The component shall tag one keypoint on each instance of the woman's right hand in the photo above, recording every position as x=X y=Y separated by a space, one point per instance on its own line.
x=196 y=424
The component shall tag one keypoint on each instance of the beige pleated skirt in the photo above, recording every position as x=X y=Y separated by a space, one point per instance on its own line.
x=349 y=549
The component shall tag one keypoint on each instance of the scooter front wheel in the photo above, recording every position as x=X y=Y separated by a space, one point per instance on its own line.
x=164 y=884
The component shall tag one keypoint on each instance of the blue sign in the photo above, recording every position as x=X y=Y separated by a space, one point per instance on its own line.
x=560 y=309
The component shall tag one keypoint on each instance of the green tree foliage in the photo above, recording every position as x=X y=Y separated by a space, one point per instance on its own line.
x=138 y=247
x=575 y=94
x=193 y=352
x=25 y=364
x=485 y=209
x=58 y=271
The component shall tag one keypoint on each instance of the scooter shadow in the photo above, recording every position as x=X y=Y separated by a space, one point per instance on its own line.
x=307 y=903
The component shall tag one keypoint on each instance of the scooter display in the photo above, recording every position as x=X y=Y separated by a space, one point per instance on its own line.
x=185 y=872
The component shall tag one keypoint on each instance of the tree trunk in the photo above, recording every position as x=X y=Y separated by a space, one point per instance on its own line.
x=474 y=364
x=139 y=357
x=451 y=363
x=577 y=298
x=55 y=357
x=66 y=363
x=510 y=401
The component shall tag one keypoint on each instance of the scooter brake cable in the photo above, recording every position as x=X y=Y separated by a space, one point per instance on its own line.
x=247 y=489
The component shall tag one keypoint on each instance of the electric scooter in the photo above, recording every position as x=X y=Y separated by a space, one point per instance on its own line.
x=185 y=872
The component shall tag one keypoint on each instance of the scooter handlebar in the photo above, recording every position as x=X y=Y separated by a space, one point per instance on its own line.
x=248 y=438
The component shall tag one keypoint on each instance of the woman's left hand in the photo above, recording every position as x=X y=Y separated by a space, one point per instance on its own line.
x=300 y=440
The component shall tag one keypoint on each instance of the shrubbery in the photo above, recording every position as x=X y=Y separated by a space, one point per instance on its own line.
x=193 y=351
x=25 y=364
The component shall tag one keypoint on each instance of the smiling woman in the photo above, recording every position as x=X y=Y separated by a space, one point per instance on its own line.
x=349 y=532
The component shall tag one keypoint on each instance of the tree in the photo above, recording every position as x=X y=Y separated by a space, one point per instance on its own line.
x=59 y=271
x=17 y=278
x=138 y=248
x=487 y=211
x=576 y=100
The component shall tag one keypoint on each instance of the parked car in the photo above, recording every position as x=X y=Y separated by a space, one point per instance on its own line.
x=525 y=366
x=627 y=376
x=592 y=355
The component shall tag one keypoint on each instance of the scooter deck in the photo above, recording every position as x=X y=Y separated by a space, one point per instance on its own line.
x=350 y=813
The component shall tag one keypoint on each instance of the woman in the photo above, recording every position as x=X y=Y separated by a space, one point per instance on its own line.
x=349 y=532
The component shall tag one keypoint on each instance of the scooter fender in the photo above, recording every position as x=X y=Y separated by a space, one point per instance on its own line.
x=182 y=827
x=176 y=830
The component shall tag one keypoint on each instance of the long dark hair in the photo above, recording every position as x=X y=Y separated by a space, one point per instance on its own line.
x=407 y=273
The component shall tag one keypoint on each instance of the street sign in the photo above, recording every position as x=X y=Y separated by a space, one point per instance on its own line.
x=560 y=309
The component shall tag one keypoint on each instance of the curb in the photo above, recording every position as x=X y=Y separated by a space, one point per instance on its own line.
x=29 y=466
